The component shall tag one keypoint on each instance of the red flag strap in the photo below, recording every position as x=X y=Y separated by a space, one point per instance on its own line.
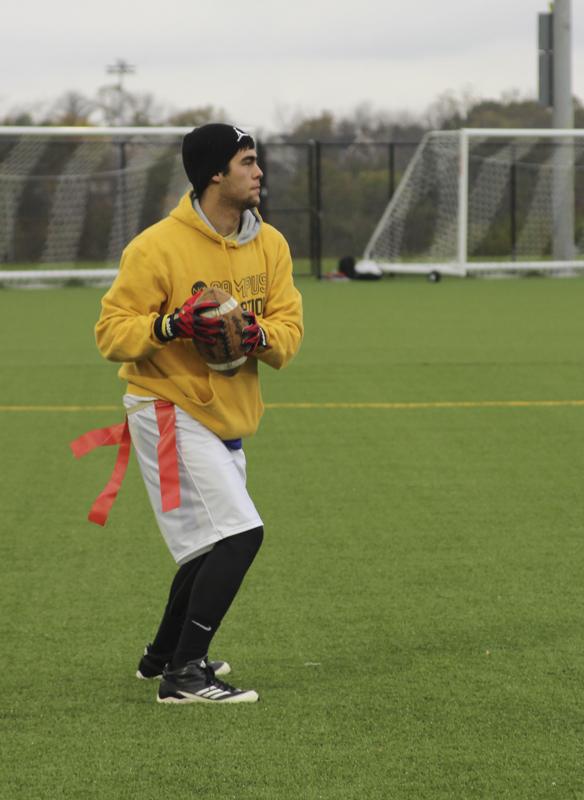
x=101 y=507
x=167 y=456
x=100 y=437
x=120 y=434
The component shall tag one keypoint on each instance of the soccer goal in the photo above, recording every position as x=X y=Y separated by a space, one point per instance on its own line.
x=72 y=198
x=478 y=201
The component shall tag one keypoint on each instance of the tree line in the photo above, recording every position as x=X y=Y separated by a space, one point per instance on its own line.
x=358 y=171
x=113 y=105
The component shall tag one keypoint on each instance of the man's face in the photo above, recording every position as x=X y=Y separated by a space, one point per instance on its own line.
x=240 y=184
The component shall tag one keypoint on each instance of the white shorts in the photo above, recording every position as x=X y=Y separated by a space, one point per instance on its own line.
x=214 y=501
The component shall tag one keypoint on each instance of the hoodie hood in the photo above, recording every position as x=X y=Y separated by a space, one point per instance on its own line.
x=190 y=212
x=248 y=229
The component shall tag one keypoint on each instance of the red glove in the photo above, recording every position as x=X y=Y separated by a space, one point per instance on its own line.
x=253 y=336
x=206 y=329
x=186 y=322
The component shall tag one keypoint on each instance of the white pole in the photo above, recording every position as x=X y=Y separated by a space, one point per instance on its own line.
x=463 y=200
x=563 y=118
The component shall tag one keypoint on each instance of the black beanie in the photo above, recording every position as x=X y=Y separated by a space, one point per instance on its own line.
x=209 y=149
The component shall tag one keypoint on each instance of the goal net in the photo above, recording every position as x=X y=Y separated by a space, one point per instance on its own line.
x=72 y=198
x=484 y=201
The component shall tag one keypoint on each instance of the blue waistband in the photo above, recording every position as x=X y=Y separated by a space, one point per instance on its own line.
x=233 y=444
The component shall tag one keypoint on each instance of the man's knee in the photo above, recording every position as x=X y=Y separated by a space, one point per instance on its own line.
x=244 y=545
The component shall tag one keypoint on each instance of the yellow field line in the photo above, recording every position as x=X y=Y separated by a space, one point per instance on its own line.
x=60 y=408
x=436 y=404
x=383 y=406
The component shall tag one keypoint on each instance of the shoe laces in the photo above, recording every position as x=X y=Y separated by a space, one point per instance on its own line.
x=210 y=674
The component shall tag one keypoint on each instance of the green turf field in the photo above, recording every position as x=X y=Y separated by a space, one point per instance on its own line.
x=415 y=620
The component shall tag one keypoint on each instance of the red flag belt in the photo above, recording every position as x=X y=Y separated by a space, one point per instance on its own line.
x=120 y=435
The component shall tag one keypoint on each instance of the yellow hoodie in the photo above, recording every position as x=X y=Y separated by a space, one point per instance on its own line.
x=159 y=270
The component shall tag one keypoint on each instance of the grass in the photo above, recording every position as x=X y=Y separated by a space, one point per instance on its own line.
x=414 y=619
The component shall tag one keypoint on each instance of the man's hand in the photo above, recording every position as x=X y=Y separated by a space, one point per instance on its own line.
x=206 y=329
x=254 y=337
x=186 y=322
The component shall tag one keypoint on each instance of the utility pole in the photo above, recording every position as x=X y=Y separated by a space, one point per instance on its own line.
x=120 y=68
x=555 y=91
x=563 y=118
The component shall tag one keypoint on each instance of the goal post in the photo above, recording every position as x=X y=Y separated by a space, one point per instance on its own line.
x=71 y=198
x=476 y=201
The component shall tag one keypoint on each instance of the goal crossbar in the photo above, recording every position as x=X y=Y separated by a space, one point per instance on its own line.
x=89 y=132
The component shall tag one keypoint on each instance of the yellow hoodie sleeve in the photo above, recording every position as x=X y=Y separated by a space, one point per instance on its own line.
x=282 y=318
x=124 y=331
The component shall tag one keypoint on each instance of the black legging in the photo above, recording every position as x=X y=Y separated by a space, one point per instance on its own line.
x=200 y=595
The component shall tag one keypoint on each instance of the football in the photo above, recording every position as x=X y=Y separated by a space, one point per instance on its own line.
x=227 y=355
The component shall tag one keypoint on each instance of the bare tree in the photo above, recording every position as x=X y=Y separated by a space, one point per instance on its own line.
x=196 y=116
x=144 y=109
x=71 y=108
x=450 y=109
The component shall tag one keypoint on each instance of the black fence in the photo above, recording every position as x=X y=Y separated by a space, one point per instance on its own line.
x=76 y=200
x=326 y=198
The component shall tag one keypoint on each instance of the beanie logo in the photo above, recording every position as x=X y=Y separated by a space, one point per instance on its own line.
x=239 y=133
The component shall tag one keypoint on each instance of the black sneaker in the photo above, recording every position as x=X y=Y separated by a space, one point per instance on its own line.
x=196 y=683
x=152 y=665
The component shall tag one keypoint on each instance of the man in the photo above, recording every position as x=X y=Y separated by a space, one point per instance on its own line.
x=214 y=237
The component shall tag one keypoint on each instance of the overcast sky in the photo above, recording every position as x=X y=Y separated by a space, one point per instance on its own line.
x=261 y=61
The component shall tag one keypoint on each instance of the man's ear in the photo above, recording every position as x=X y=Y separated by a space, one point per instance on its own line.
x=217 y=178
